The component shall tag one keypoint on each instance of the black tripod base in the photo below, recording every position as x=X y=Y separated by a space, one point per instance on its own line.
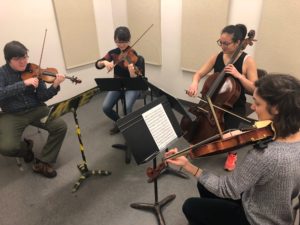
x=156 y=207
x=86 y=173
x=127 y=151
x=170 y=170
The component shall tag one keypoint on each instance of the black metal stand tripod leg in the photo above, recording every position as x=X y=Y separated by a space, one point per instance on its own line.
x=127 y=151
x=83 y=168
x=157 y=205
x=86 y=173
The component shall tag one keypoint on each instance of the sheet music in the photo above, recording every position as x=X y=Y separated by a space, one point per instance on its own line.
x=159 y=126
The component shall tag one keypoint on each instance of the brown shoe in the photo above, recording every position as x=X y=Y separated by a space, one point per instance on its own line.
x=43 y=168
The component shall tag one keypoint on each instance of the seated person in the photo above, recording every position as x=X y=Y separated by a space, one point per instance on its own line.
x=121 y=69
x=22 y=104
x=261 y=189
x=243 y=70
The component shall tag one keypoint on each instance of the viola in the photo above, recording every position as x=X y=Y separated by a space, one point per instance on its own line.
x=259 y=135
x=48 y=75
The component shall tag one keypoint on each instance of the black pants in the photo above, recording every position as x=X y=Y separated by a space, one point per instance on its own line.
x=212 y=210
x=233 y=122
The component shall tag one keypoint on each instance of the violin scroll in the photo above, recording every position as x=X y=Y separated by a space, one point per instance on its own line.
x=74 y=80
x=153 y=173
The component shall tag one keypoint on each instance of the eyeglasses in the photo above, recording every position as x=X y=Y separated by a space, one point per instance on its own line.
x=20 y=58
x=121 y=42
x=220 y=43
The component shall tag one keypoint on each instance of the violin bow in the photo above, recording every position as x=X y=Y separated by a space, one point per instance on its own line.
x=224 y=110
x=42 y=52
x=142 y=35
x=212 y=109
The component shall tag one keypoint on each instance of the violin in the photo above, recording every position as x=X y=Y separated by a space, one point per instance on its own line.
x=48 y=75
x=260 y=134
x=129 y=57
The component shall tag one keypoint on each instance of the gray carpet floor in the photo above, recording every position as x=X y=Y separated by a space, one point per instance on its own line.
x=30 y=199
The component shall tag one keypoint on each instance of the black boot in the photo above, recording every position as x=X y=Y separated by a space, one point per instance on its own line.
x=28 y=155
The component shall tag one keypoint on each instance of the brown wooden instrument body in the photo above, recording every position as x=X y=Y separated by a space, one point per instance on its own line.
x=207 y=147
x=234 y=142
x=48 y=75
x=224 y=91
x=205 y=126
x=129 y=57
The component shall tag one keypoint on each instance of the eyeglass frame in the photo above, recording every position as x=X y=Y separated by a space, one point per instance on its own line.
x=122 y=42
x=20 y=58
x=220 y=43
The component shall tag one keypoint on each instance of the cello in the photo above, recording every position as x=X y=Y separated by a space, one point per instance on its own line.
x=221 y=90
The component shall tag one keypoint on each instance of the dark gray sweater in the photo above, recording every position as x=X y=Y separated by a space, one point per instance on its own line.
x=266 y=181
x=16 y=97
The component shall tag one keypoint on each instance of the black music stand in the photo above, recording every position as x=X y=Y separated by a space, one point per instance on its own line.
x=177 y=106
x=122 y=84
x=157 y=128
x=71 y=105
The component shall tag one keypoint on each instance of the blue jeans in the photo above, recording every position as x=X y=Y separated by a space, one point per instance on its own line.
x=112 y=98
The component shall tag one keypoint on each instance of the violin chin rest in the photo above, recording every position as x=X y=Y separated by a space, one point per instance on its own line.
x=262 y=144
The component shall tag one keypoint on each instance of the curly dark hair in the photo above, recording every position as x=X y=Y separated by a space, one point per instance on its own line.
x=283 y=92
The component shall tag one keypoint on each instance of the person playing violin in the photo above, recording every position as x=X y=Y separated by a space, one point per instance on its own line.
x=122 y=69
x=243 y=70
x=22 y=104
x=261 y=189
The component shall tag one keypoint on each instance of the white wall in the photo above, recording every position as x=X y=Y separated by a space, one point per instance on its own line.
x=27 y=23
